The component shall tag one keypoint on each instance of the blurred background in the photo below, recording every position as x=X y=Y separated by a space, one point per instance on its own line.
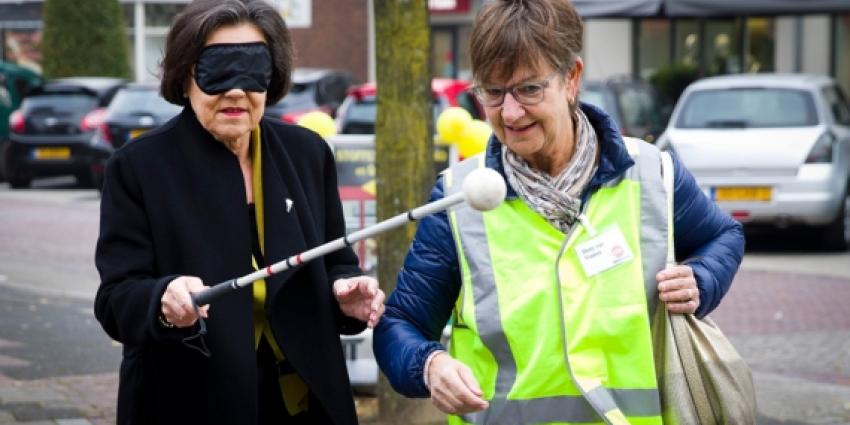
x=750 y=94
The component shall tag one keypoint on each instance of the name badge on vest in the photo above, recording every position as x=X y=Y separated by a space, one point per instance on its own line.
x=603 y=252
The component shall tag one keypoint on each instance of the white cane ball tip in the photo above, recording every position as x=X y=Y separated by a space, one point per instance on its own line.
x=484 y=189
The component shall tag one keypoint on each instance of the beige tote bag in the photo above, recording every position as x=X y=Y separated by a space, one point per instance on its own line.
x=702 y=379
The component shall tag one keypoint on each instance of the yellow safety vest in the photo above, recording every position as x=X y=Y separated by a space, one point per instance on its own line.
x=549 y=338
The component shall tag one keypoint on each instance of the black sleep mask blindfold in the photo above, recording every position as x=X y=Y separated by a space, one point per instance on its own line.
x=222 y=67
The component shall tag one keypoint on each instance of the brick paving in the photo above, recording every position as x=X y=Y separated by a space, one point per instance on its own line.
x=793 y=330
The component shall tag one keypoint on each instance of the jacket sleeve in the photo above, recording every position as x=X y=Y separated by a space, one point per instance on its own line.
x=127 y=300
x=706 y=238
x=417 y=311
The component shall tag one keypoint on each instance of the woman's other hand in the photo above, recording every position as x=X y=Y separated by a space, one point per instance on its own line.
x=678 y=288
x=177 y=308
x=359 y=297
x=454 y=389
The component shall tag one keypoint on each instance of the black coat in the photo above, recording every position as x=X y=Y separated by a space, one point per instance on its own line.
x=174 y=204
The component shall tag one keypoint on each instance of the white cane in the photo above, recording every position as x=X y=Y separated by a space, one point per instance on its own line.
x=483 y=189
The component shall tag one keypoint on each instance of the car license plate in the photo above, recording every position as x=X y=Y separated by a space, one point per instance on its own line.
x=136 y=132
x=744 y=193
x=53 y=153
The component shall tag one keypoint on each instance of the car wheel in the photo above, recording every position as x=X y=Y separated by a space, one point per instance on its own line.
x=85 y=179
x=19 y=182
x=836 y=235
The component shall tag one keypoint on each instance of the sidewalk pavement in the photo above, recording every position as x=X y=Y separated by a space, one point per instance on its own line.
x=71 y=400
x=793 y=330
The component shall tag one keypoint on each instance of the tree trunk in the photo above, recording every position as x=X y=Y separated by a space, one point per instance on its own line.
x=404 y=152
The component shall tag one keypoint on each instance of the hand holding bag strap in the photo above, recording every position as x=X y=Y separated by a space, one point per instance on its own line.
x=679 y=323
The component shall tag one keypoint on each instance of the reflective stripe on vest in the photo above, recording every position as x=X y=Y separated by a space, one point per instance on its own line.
x=547 y=392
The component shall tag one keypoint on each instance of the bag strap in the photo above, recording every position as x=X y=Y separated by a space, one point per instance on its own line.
x=679 y=322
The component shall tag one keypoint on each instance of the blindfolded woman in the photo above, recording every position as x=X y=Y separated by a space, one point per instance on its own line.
x=216 y=193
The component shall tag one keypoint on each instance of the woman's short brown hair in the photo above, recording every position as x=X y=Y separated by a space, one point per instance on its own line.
x=192 y=27
x=509 y=33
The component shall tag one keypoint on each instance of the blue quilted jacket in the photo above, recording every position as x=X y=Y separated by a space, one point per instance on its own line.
x=706 y=238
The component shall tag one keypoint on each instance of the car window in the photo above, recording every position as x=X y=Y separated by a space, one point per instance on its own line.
x=360 y=116
x=59 y=102
x=637 y=107
x=466 y=101
x=748 y=108
x=298 y=88
x=838 y=106
x=127 y=101
x=596 y=98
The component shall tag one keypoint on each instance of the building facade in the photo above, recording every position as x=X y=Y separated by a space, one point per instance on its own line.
x=809 y=43
x=339 y=34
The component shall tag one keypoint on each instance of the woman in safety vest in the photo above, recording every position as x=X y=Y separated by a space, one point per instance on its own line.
x=550 y=295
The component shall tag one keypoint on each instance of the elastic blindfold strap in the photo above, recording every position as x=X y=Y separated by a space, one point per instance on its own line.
x=222 y=67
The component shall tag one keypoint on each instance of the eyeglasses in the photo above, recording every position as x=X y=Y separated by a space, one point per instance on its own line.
x=524 y=93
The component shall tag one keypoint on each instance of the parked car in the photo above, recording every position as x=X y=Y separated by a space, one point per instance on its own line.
x=632 y=103
x=357 y=113
x=312 y=89
x=769 y=149
x=135 y=109
x=51 y=133
x=15 y=83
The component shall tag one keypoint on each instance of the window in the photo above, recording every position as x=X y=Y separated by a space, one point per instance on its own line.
x=161 y=15
x=653 y=46
x=759 y=45
x=687 y=42
x=722 y=47
x=639 y=109
x=748 y=108
x=442 y=53
x=711 y=46
x=467 y=101
x=841 y=54
x=838 y=106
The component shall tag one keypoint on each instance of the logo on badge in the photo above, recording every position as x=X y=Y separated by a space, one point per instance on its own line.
x=617 y=251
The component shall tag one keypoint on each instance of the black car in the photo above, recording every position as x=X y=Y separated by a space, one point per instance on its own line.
x=632 y=104
x=52 y=131
x=312 y=89
x=135 y=109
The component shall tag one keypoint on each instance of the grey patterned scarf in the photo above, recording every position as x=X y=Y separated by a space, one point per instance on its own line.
x=557 y=199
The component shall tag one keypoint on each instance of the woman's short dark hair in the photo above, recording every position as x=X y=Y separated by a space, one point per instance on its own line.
x=192 y=27
x=509 y=33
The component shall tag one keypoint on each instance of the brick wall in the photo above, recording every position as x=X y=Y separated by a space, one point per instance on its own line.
x=337 y=37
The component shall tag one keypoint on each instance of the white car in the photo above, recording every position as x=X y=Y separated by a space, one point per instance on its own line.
x=360 y=361
x=769 y=149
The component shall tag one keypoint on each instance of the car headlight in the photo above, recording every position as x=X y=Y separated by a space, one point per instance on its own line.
x=821 y=152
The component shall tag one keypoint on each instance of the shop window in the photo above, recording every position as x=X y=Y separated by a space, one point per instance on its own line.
x=760 y=45
x=443 y=61
x=464 y=66
x=687 y=42
x=841 y=52
x=653 y=46
x=723 y=47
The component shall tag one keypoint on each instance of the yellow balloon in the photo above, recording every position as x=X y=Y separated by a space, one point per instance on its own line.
x=474 y=138
x=451 y=122
x=320 y=122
